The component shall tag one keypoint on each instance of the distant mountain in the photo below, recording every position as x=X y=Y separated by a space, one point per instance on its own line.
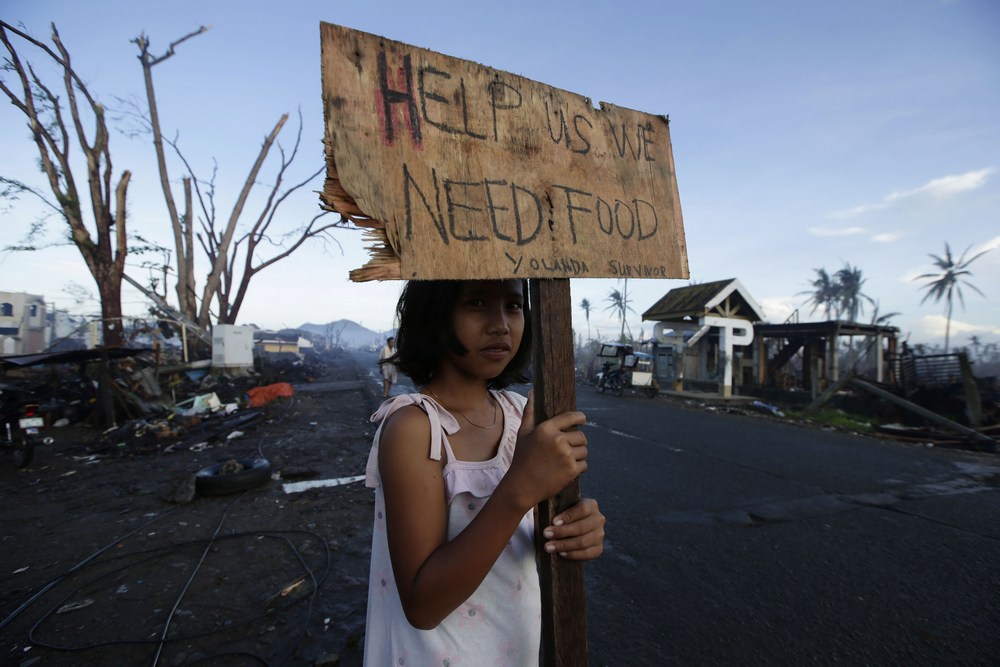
x=345 y=332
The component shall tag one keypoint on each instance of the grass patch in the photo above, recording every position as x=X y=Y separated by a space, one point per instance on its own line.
x=835 y=418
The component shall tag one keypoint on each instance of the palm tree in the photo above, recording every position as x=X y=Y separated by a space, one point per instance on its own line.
x=824 y=293
x=947 y=282
x=849 y=294
x=620 y=306
x=585 y=306
x=880 y=320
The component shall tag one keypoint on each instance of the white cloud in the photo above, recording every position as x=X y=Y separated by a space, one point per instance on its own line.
x=858 y=210
x=836 y=231
x=778 y=309
x=886 y=237
x=910 y=275
x=992 y=244
x=935 y=326
x=938 y=188
x=946 y=186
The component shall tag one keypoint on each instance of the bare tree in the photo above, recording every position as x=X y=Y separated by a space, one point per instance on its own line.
x=333 y=333
x=182 y=226
x=101 y=240
x=235 y=255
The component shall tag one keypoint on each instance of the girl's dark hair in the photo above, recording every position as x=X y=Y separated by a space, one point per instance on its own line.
x=425 y=335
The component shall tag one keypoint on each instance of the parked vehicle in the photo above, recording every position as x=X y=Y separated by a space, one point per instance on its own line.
x=629 y=369
x=610 y=378
x=20 y=421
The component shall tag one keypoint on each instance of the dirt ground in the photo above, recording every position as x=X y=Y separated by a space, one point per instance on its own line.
x=102 y=563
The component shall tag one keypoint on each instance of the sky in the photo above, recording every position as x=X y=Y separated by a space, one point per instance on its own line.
x=805 y=135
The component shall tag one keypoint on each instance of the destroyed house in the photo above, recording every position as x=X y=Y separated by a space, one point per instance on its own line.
x=702 y=336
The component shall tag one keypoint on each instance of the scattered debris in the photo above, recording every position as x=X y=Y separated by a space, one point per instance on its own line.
x=258 y=397
x=73 y=606
x=765 y=407
x=198 y=405
x=296 y=487
x=184 y=491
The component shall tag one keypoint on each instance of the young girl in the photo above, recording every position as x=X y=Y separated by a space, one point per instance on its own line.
x=457 y=469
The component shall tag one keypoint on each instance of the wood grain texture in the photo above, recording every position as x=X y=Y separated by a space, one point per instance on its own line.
x=564 y=609
x=466 y=171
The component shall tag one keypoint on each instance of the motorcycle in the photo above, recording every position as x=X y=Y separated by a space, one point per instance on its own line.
x=610 y=379
x=20 y=420
x=630 y=369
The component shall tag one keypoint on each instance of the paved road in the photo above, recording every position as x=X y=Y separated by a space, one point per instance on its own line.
x=739 y=540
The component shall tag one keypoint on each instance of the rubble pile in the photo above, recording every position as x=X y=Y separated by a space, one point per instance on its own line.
x=159 y=405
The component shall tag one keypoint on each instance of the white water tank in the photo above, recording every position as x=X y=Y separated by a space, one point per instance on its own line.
x=232 y=346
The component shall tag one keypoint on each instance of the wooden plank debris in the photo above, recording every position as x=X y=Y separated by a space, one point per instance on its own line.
x=925 y=413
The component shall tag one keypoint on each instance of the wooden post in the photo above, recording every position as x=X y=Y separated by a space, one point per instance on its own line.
x=820 y=400
x=564 y=614
x=973 y=401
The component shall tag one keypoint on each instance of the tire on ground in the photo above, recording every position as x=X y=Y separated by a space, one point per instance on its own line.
x=211 y=482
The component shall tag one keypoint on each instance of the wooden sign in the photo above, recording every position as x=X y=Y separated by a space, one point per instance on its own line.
x=459 y=170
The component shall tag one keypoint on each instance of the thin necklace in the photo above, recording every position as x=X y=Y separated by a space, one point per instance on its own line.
x=488 y=395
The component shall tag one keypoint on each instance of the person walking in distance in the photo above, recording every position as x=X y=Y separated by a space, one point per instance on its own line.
x=387 y=365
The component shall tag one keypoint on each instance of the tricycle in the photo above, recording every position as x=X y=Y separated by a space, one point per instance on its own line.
x=629 y=369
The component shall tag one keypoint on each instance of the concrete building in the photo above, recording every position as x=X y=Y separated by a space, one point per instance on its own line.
x=23 y=323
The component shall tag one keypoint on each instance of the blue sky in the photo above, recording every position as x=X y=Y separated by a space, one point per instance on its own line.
x=805 y=134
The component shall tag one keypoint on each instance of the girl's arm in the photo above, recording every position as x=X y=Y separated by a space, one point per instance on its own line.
x=435 y=576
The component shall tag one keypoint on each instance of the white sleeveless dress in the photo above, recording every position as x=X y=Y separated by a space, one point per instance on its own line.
x=501 y=623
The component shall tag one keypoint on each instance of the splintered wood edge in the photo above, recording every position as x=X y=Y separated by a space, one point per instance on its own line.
x=384 y=261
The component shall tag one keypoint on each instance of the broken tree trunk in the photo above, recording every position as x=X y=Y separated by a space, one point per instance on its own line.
x=161 y=303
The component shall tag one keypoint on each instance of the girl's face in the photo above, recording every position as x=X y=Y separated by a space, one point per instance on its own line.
x=488 y=320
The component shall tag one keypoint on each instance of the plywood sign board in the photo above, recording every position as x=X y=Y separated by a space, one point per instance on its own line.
x=459 y=170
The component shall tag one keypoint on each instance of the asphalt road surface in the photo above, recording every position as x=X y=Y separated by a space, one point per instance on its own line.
x=742 y=540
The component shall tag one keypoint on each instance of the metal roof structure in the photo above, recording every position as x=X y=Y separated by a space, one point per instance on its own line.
x=725 y=298
x=823 y=329
x=71 y=356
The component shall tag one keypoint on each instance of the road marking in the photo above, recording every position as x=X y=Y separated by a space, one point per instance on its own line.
x=622 y=434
